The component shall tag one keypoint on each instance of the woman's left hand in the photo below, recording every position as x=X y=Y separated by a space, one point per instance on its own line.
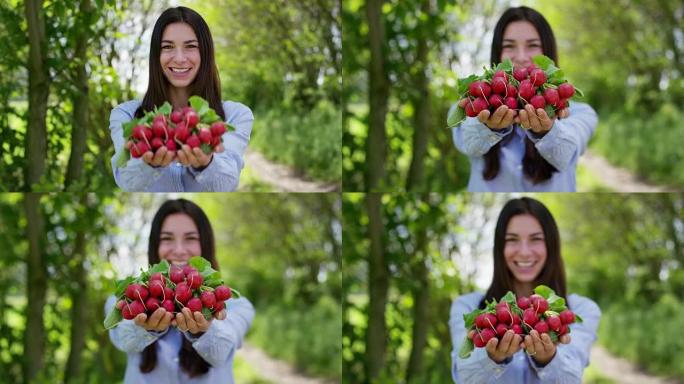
x=542 y=349
x=538 y=121
x=193 y=322
x=195 y=157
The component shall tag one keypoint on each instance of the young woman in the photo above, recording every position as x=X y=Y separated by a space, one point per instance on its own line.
x=182 y=65
x=526 y=254
x=186 y=347
x=524 y=151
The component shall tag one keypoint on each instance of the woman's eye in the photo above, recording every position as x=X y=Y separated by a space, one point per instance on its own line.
x=167 y=47
x=192 y=46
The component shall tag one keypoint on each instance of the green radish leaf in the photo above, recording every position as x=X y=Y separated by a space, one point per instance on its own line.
x=234 y=293
x=209 y=117
x=206 y=148
x=543 y=290
x=464 y=83
x=550 y=111
x=121 y=285
x=543 y=62
x=128 y=128
x=113 y=318
x=213 y=283
x=509 y=298
x=199 y=263
x=230 y=127
x=455 y=117
x=469 y=318
x=578 y=319
x=558 y=77
x=200 y=105
x=579 y=92
x=466 y=348
x=162 y=267
x=165 y=109
x=506 y=66
x=554 y=336
x=207 y=313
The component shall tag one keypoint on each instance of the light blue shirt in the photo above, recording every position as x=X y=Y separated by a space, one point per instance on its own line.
x=221 y=175
x=561 y=147
x=566 y=366
x=217 y=347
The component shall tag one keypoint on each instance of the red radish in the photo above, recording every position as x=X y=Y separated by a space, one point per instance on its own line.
x=195 y=304
x=538 y=101
x=191 y=118
x=176 y=117
x=567 y=317
x=223 y=293
x=171 y=145
x=156 y=288
x=205 y=135
x=176 y=275
x=183 y=293
x=157 y=143
x=188 y=269
x=218 y=129
x=566 y=90
x=168 y=305
x=194 y=280
x=136 y=292
x=152 y=304
x=208 y=299
x=193 y=141
x=554 y=323
x=542 y=327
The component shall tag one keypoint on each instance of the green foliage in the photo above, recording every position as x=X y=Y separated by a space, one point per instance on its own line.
x=307 y=336
x=310 y=142
x=645 y=143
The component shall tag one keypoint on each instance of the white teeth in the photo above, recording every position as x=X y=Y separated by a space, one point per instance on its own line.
x=180 y=70
x=525 y=264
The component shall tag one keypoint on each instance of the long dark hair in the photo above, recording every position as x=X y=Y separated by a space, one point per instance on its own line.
x=535 y=167
x=190 y=361
x=206 y=84
x=553 y=272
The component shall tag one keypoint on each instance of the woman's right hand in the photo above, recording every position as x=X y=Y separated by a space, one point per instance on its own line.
x=162 y=158
x=500 y=350
x=159 y=321
x=502 y=117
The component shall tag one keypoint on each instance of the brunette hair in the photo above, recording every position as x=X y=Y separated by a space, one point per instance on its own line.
x=553 y=272
x=190 y=361
x=535 y=167
x=206 y=84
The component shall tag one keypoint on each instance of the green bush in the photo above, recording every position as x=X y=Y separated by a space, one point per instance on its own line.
x=649 y=145
x=306 y=336
x=310 y=142
x=639 y=334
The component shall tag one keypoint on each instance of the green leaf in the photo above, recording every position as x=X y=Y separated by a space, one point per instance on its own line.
x=464 y=83
x=162 y=267
x=165 y=109
x=579 y=92
x=212 y=282
x=206 y=148
x=200 y=105
x=113 y=318
x=558 y=77
x=550 y=111
x=199 y=263
x=235 y=293
x=456 y=116
x=509 y=298
x=128 y=128
x=543 y=290
x=207 y=313
x=469 y=318
x=578 y=319
x=121 y=286
x=209 y=117
x=553 y=336
x=506 y=66
x=466 y=348
x=543 y=62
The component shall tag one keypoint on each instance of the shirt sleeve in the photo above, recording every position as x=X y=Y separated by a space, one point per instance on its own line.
x=475 y=139
x=478 y=367
x=568 y=138
x=224 y=337
x=129 y=337
x=136 y=175
x=223 y=173
x=571 y=359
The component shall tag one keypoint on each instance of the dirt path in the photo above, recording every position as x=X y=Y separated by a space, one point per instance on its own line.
x=621 y=370
x=617 y=179
x=283 y=178
x=275 y=370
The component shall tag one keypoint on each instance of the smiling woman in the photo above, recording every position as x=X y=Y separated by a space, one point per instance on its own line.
x=526 y=254
x=181 y=65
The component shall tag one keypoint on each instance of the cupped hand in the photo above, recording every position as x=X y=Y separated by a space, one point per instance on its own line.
x=194 y=322
x=158 y=321
x=161 y=158
x=195 y=157
x=541 y=348
x=500 y=350
x=502 y=117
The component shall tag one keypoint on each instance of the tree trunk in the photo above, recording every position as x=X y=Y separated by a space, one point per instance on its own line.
x=34 y=337
x=79 y=128
x=421 y=106
x=421 y=294
x=78 y=310
x=39 y=88
x=378 y=94
x=378 y=285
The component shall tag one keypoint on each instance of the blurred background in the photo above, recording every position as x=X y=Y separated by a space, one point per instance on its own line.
x=62 y=254
x=67 y=65
x=402 y=59
x=408 y=256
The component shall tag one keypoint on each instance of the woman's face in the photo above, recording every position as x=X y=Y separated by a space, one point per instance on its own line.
x=525 y=248
x=521 y=42
x=179 y=239
x=180 y=55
